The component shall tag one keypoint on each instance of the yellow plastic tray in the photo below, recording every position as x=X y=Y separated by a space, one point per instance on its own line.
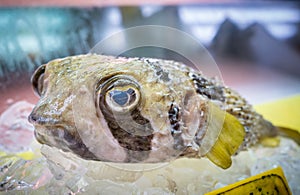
x=269 y=182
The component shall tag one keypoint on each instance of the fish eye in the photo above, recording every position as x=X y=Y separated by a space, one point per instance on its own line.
x=37 y=80
x=119 y=94
x=122 y=98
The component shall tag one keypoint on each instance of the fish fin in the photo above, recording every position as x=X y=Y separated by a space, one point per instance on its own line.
x=229 y=140
x=289 y=133
x=270 y=141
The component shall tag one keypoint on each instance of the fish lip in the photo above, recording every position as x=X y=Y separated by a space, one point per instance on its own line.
x=54 y=135
x=60 y=137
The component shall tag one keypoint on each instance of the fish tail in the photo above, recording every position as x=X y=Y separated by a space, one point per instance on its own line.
x=289 y=133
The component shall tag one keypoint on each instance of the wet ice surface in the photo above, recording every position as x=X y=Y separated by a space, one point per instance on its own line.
x=57 y=172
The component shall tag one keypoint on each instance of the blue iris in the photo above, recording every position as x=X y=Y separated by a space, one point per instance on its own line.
x=119 y=97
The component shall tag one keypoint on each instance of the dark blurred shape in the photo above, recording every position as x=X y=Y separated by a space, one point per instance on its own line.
x=268 y=51
x=227 y=41
x=257 y=45
x=294 y=41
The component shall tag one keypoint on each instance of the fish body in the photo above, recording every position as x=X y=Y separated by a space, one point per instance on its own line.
x=140 y=110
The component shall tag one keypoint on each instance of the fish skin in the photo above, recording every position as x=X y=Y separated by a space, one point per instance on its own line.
x=73 y=112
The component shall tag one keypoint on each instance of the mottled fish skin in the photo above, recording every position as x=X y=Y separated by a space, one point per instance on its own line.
x=165 y=117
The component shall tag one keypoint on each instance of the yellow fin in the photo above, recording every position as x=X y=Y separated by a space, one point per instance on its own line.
x=270 y=141
x=289 y=133
x=229 y=139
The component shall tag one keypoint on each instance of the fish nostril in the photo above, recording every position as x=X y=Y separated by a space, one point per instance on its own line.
x=33 y=118
x=40 y=119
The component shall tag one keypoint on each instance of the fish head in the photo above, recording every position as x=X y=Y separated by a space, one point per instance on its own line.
x=117 y=109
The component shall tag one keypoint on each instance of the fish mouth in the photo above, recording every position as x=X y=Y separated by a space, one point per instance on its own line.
x=63 y=138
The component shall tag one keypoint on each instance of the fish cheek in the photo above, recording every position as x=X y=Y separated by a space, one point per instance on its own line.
x=133 y=133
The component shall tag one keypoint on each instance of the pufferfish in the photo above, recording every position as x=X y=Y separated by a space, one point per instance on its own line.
x=141 y=110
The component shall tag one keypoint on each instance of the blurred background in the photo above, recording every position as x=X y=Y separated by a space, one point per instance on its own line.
x=256 y=45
